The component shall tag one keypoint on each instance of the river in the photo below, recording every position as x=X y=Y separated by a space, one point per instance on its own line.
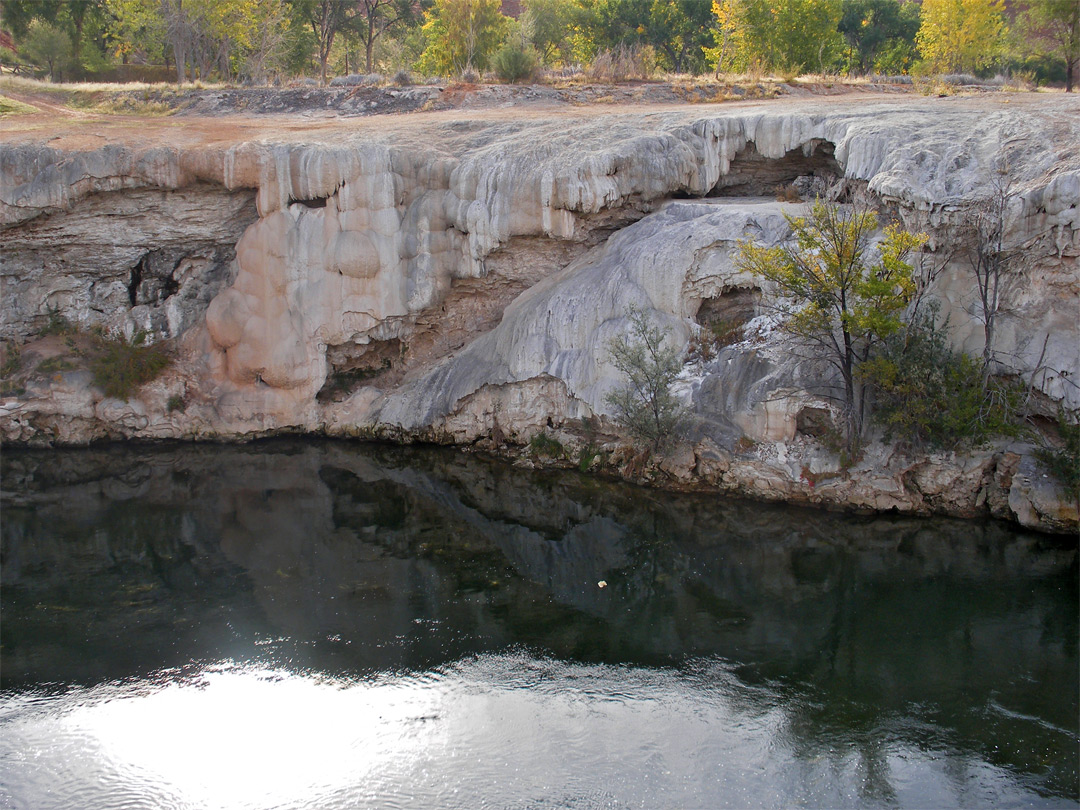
x=297 y=624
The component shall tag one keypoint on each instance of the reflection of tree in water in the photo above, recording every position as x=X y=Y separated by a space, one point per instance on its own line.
x=415 y=558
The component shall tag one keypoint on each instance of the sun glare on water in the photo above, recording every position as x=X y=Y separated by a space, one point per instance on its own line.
x=238 y=737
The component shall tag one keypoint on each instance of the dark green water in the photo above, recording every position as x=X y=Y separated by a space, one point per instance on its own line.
x=290 y=624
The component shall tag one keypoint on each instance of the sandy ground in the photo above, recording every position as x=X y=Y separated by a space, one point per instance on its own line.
x=76 y=130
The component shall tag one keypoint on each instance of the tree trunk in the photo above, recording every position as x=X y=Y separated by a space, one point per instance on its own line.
x=1070 y=68
x=854 y=407
x=77 y=49
x=988 y=351
x=181 y=61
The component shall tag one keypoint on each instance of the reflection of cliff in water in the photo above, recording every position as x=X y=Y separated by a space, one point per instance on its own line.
x=354 y=558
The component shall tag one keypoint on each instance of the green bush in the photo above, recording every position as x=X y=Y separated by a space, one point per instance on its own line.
x=121 y=366
x=930 y=396
x=645 y=405
x=57 y=324
x=513 y=63
x=1064 y=461
x=12 y=359
x=53 y=364
x=543 y=445
x=587 y=456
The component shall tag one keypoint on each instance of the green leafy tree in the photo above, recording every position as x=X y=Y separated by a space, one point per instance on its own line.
x=266 y=44
x=898 y=57
x=48 y=46
x=462 y=34
x=931 y=396
x=645 y=405
x=135 y=26
x=81 y=14
x=680 y=30
x=835 y=296
x=299 y=47
x=1053 y=27
x=873 y=27
x=517 y=59
x=547 y=23
x=605 y=25
x=17 y=15
x=327 y=20
x=961 y=35
x=374 y=18
x=788 y=35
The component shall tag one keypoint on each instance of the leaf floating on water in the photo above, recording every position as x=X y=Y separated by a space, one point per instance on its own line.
x=602 y=583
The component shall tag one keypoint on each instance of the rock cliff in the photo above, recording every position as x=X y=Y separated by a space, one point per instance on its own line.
x=460 y=279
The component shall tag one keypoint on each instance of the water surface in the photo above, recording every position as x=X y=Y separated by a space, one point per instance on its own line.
x=296 y=624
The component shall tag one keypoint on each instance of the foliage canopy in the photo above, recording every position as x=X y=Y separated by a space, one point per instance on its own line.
x=835 y=294
x=926 y=394
x=961 y=35
x=645 y=404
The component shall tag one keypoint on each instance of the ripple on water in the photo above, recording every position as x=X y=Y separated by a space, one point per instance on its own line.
x=492 y=730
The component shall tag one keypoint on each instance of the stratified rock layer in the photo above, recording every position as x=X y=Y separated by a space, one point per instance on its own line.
x=374 y=292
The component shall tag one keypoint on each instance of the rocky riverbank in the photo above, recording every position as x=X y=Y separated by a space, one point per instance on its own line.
x=458 y=276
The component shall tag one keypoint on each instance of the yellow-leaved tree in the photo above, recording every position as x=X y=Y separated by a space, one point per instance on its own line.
x=462 y=34
x=835 y=295
x=961 y=35
x=727 y=34
x=786 y=35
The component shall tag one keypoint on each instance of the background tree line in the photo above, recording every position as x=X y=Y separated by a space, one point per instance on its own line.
x=256 y=40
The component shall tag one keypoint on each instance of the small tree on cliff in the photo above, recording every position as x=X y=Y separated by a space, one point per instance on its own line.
x=645 y=404
x=994 y=268
x=833 y=296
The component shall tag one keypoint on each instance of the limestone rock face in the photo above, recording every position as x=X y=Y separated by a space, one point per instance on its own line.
x=145 y=259
x=463 y=279
x=664 y=265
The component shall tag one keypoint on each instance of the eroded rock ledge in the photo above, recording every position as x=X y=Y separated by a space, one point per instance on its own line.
x=460 y=279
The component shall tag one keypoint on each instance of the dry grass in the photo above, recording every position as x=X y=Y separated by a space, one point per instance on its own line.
x=9 y=106
x=106 y=99
x=22 y=84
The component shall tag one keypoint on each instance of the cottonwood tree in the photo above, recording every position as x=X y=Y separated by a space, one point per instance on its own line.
x=961 y=34
x=834 y=296
x=547 y=22
x=327 y=19
x=1053 y=26
x=790 y=35
x=727 y=37
x=645 y=404
x=462 y=34
x=680 y=30
x=872 y=27
x=266 y=38
x=375 y=17
x=135 y=26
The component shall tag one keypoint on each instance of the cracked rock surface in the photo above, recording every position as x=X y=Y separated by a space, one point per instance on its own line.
x=460 y=276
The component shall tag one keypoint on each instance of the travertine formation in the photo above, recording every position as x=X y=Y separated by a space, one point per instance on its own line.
x=462 y=279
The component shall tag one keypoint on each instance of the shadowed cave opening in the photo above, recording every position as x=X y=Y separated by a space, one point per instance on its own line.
x=724 y=315
x=354 y=365
x=817 y=423
x=751 y=174
x=313 y=202
x=722 y=318
x=153 y=278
